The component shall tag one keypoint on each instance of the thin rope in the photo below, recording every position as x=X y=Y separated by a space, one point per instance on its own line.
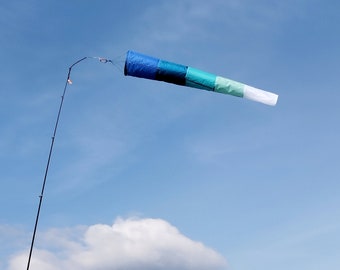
x=68 y=81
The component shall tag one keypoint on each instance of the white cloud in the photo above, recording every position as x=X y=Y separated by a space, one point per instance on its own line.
x=127 y=244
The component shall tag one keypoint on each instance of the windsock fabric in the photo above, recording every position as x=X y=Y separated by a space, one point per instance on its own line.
x=147 y=67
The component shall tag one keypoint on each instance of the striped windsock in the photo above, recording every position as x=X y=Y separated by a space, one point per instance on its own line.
x=143 y=66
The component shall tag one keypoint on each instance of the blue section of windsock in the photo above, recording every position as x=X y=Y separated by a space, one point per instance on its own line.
x=144 y=66
x=140 y=65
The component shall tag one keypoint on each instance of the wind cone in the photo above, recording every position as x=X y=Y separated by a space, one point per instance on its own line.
x=147 y=67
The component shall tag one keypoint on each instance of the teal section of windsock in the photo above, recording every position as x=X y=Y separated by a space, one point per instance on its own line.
x=171 y=72
x=200 y=79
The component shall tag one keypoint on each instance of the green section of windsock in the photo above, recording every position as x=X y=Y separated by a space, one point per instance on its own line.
x=230 y=87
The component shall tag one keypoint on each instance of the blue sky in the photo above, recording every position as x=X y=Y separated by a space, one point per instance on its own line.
x=149 y=175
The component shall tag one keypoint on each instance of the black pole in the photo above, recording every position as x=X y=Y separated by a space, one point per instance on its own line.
x=49 y=160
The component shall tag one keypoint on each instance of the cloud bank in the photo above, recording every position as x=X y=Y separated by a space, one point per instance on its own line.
x=129 y=244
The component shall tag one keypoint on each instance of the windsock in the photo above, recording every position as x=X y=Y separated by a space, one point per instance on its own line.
x=147 y=67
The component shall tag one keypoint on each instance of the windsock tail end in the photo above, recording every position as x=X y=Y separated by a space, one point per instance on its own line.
x=259 y=95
